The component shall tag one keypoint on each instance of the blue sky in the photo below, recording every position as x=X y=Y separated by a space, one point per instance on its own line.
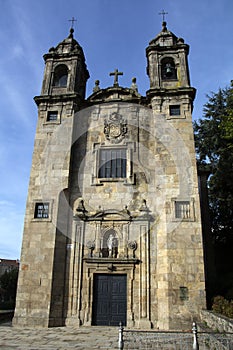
x=113 y=34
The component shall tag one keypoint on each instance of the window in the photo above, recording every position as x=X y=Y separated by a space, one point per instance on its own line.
x=52 y=116
x=182 y=210
x=112 y=163
x=174 y=110
x=41 y=211
x=60 y=76
x=184 y=293
x=168 y=69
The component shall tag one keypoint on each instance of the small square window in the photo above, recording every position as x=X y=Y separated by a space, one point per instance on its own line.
x=182 y=210
x=41 y=211
x=52 y=116
x=184 y=293
x=174 y=110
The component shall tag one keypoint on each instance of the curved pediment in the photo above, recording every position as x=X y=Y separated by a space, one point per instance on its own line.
x=119 y=94
x=112 y=214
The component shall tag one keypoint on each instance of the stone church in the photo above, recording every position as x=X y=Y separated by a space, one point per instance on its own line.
x=113 y=227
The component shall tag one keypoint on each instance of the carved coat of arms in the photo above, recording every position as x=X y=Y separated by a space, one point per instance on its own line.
x=115 y=128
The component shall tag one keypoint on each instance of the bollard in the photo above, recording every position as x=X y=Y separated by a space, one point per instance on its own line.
x=121 y=340
x=195 y=340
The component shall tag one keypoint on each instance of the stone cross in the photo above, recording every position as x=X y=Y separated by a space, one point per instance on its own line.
x=163 y=13
x=116 y=73
x=72 y=20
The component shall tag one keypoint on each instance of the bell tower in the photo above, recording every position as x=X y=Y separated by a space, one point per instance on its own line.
x=65 y=73
x=168 y=71
x=171 y=99
x=65 y=78
x=42 y=274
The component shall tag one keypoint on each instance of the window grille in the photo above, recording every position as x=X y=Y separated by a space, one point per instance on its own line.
x=41 y=211
x=182 y=210
x=52 y=116
x=112 y=163
x=174 y=110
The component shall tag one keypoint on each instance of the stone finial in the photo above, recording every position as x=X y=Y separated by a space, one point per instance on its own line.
x=90 y=246
x=134 y=86
x=144 y=206
x=164 y=25
x=81 y=206
x=71 y=36
x=81 y=210
x=96 y=87
x=126 y=210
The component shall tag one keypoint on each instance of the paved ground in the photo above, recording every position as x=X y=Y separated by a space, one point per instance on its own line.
x=91 y=338
x=60 y=338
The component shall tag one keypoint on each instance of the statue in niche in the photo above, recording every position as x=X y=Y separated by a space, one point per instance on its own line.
x=110 y=244
x=110 y=247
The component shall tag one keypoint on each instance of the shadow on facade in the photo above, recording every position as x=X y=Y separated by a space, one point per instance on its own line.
x=58 y=306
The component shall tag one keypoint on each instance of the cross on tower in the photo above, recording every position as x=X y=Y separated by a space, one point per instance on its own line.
x=72 y=20
x=163 y=13
x=116 y=73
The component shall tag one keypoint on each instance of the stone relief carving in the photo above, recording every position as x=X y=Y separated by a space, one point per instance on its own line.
x=115 y=128
x=132 y=245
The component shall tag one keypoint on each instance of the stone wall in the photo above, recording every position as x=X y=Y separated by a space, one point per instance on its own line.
x=217 y=322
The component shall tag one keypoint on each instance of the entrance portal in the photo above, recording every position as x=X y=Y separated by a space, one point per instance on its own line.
x=109 y=304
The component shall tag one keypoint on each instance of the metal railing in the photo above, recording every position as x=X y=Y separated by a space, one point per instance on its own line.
x=173 y=340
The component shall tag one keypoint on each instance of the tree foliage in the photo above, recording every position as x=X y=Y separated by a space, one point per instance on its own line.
x=227 y=124
x=214 y=146
x=214 y=142
x=8 y=282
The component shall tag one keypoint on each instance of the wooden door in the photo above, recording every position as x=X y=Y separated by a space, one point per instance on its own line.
x=109 y=300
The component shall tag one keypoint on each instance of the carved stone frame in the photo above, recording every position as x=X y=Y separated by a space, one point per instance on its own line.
x=128 y=180
x=102 y=266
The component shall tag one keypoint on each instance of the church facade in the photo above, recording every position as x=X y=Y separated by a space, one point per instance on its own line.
x=113 y=226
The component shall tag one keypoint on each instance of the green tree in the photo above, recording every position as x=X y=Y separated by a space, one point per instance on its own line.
x=8 y=282
x=214 y=143
x=227 y=123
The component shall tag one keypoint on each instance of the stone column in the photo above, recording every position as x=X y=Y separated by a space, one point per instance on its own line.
x=144 y=277
x=98 y=240
x=125 y=239
x=75 y=275
x=162 y=276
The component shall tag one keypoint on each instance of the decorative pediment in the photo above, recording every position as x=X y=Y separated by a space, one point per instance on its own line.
x=112 y=215
x=118 y=94
x=102 y=214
